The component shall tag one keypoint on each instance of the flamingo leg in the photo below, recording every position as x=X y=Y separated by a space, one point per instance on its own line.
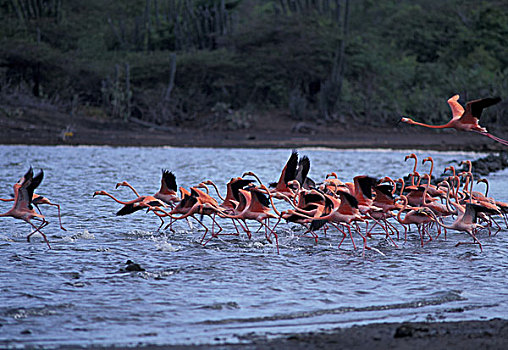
x=388 y=236
x=495 y=138
x=393 y=228
x=272 y=232
x=162 y=223
x=38 y=229
x=344 y=235
x=475 y=241
x=59 y=216
x=204 y=226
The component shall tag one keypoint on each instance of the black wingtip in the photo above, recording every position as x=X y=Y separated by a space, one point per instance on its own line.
x=128 y=209
x=169 y=179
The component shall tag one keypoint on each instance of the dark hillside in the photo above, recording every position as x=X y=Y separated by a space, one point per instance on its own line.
x=219 y=63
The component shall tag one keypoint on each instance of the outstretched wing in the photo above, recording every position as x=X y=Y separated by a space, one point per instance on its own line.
x=476 y=107
x=289 y=171
x=303 y=170
x=455 y=106
x=36 y=181
x=168 y=180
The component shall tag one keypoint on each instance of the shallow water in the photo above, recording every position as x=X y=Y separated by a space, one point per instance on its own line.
x=77 y=293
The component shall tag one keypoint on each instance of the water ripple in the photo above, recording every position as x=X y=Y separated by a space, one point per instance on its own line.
x=185 y=292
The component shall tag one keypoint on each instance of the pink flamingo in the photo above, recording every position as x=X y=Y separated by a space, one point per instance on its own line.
x=465 y=120
x=22 y=208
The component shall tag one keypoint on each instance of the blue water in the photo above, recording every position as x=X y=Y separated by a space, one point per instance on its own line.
x=78 y=294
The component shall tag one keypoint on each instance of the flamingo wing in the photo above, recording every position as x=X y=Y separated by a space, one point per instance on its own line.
x=168 y=180
x=475 y=108
x=347 y=202
x=34 y=183
x=259 y=202
x=289 y=171
x=365 y=184
x=455 y=106
x=129 y=209
x=26 y=189
x=237 y=185
x=302 y=170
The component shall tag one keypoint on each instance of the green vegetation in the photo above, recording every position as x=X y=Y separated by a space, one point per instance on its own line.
x=179 y=62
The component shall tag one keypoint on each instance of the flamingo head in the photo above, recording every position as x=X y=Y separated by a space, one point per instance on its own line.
x=412 y=155
x=248 y=173
x=123 y=183
x=485 y=181
x=405 y=120
x=385 y=179
x=98 y=193
x=428 y=159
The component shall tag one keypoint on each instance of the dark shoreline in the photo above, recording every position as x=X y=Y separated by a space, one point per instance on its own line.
x=272 y=130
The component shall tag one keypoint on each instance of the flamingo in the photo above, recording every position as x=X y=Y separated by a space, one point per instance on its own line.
x=38 y=199
x=22 y=208
x=129 y=207
x=418 y=216
x=412 y=174
x=465 y=120
x=167 y=191
x=384 y=199
x=232 y=200
x=480 y=199
x=193 y=202
x=503 y=207
x=466 y=222
x=257 y=207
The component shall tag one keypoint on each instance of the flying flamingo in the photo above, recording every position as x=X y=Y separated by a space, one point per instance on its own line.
x=232 y=200
x=22 y=208
x=129 y=207
x=192 y=203
x=38 y=199
x=465 y=120
x=167 y=191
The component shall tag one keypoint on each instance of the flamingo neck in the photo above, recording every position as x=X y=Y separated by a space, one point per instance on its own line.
x=442 y=126
x=217 y=191
x=426 y=190
x=404 y=206
x=104 y=193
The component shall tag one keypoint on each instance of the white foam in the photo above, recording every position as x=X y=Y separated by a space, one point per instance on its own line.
x=166 y=247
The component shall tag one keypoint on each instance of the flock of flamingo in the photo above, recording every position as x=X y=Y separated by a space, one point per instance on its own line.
x=331 y=203
x=451 y=204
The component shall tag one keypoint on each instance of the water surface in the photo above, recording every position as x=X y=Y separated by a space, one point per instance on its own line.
x=78 y=294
